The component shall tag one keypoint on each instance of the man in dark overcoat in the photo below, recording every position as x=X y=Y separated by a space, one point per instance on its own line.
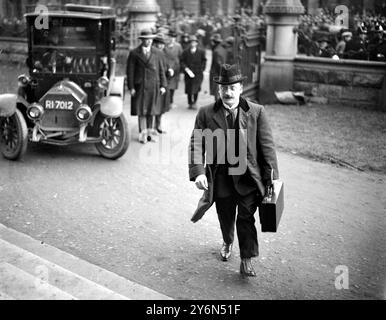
x=193 y=62
x=173 y=50
x=164 y=101
x=234 y=169
x=146 y=81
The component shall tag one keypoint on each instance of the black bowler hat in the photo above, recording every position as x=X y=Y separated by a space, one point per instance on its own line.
x=324 y=39
x=216 y=38
x=229 y=74
x=193 y=38
x=160 y=38
x=172 y=33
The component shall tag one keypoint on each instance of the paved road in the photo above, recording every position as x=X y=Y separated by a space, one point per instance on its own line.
x=132 y=217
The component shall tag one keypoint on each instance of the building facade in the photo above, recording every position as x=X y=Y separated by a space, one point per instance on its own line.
x=16 y=8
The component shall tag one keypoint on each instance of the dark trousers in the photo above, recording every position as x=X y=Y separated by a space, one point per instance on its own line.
x=245 y=221
x=171 y=95
x=158 y=121
x=192 y=98
x=145 y=122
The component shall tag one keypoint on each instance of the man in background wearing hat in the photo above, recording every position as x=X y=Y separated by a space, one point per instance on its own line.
x=173 y=51
x=325 y=50
x=227 y=183
x=193 y=62
x=164 y=101
x=341 y=47
x=357 y=48
x=219 y=54
x=185 y=41
x=146 y=81
x=377 y=47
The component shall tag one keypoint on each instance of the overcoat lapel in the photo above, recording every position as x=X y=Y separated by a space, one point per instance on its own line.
x=244 y=114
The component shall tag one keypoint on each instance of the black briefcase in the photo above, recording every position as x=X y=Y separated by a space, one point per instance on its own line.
x=272 y=207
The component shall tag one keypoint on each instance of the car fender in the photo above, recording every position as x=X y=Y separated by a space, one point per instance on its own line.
x=111 y=106
x=8 y=104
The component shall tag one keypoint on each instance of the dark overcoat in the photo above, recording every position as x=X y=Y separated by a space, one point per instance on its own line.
x=164 y=99
x=173 y=55
x=255 y=134
x=195 y=62
x=146 y=76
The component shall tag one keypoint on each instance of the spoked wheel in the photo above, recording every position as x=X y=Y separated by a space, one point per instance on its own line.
x=13 y=136
x=115 y=136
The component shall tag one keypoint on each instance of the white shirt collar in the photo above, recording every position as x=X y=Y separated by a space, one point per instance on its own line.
x=231 y=108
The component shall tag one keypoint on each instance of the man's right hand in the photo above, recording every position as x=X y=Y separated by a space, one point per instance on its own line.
x=132 y=92
x=202 y=182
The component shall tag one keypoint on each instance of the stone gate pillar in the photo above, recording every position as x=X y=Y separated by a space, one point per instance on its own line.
x=142 y=15
x=282 y=17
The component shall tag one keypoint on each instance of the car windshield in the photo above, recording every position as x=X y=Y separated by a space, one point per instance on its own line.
x=72 y=33
x=68 y=46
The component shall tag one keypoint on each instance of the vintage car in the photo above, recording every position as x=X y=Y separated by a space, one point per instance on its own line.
x=71 y=94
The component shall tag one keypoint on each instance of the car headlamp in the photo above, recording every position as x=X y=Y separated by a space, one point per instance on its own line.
x=83 y=113
x=103 y=83
x=23 y=80
x=35 y=111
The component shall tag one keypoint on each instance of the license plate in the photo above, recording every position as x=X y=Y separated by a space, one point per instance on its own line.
x=59 y=105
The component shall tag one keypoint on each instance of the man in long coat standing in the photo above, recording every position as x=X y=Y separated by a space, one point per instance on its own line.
x=193 y=62
x=146 y=80
x=234 y=171
x=173 y=51
x=164 y=101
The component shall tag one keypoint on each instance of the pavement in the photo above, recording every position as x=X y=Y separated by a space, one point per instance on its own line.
x=33 y=270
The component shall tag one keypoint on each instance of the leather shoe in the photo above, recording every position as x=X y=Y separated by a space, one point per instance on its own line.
x=226 y=251
x=246 y=268
x=160 y=131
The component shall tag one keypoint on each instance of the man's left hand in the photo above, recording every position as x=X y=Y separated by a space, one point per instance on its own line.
x=162 y=90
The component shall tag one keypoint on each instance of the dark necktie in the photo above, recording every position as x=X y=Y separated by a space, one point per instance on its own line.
x=230 y=120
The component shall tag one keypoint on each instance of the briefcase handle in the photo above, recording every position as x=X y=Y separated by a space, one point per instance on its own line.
x=269 y=189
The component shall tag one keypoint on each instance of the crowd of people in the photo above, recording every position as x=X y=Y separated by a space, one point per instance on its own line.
x=318 y=34
x=12 y=27
x=364 y=39
x=153 y=73
x=205 y=26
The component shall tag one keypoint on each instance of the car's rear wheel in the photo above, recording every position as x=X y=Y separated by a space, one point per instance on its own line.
x=115 y=136
x=13 y=136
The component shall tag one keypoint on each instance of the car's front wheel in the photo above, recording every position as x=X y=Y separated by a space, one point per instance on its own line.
x=13 y=136
x=115 y=136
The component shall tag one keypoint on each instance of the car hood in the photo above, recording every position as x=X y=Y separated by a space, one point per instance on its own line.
x=65 y=88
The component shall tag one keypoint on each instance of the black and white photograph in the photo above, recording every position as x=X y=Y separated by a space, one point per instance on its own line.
x=194 y=155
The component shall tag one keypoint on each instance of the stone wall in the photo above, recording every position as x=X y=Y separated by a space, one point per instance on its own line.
x=13 y=50
x=353 y=82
